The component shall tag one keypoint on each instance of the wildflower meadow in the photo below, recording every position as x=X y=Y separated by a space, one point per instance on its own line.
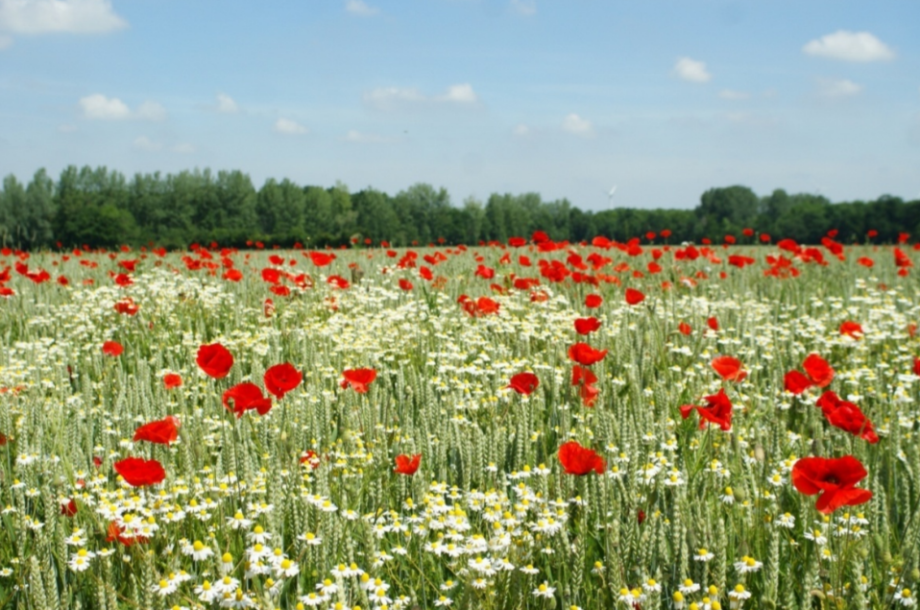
x=527 y=425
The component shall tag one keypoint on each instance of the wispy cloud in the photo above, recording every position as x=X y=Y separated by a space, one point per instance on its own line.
x=829 y=87
x=524 y=7
x=392 y=98
x=5 y=42
x=146 y=144
x=226 y=104
x=289 y=127
x=45 y=16
x=360 y=8
x=578 y=126
x=365 y=138
x=849 y=46
x=522 y=131
x=99 y=107
x=691 y=70
x=729 y=94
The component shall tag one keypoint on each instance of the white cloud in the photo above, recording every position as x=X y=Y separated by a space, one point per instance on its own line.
x=289 y=127
x=150 y=111
x=692 y=70
x=5 y=42
x=522 y=131
x=360 y=8
x=226 y=104
x=729 y=94
x=578 y=126
x=357 y=136
x=524 y=7
x=849 y=46
x=829 y=87
x=462 y=94
x=146 y=144
x=44 y=16
x=391 y=98
x=98 y=106
x=184 y=148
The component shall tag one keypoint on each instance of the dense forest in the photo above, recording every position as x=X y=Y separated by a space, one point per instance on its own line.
x=103 y=208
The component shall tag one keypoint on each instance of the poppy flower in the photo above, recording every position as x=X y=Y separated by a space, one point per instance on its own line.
x=633 y=296
x=310 y=458
x=358 y=379
x=729 y=368
x=851 y=329
x=161 y=432
x=112 y=348
x=846 y=416
x=586 y=326
x=579 y=460
x=320 y=259
x=246 y=396
x=684 y=328
x=796 y=382
x=836 y=478
x=917 y=366
x=171 y=380
x=585 y=355
x=405 y=284
x=281 y=379
x=115 y=532
x=718 y=410
x=407 y=465
x=818 y=370
x=593 y=301
x=214 y=360
x=138 y=472
x=712 y=323
x=524 y=383
x=68 y=507
x=585 y=379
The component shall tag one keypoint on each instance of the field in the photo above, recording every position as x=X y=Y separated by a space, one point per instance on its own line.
x=508 y=427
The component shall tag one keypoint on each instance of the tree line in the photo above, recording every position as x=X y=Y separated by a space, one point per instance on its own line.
x=102 y=208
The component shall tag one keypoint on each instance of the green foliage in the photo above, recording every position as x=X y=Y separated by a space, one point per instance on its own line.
x=98 y=207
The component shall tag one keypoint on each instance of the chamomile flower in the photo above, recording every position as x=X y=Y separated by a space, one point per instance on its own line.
x=544 y=590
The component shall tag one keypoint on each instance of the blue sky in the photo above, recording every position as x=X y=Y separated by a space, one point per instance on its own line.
x=565 y=98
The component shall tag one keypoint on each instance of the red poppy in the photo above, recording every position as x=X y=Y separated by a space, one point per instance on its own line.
x=114 y=532
x=214 y=360
x=281 y=291
x=579 y=460
x=112 y=348
x=718 y=410
x=310 y=458
x=524 y=383
x=852 y=329
x=585 y=378
x=161 y=432
x=320 y=259
x=3 y=439
x=836 y=478
x=233 y=275
x=281 y=379
x=796 y=382
x=358 y=379
x=865 y=261
x=68 y=507
x=407 y=465
x=246 y=396
x=917 y=366
x=585 y=355
x=633 y=296
x=729 y=368
x=126 y=307
x=818 y=370
x=593 y=301
x=405 y=284
x=138 y=472
x=684 y=328
x=171 y=380
x=846 y=416
x=586 y=326
x=712 y=323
